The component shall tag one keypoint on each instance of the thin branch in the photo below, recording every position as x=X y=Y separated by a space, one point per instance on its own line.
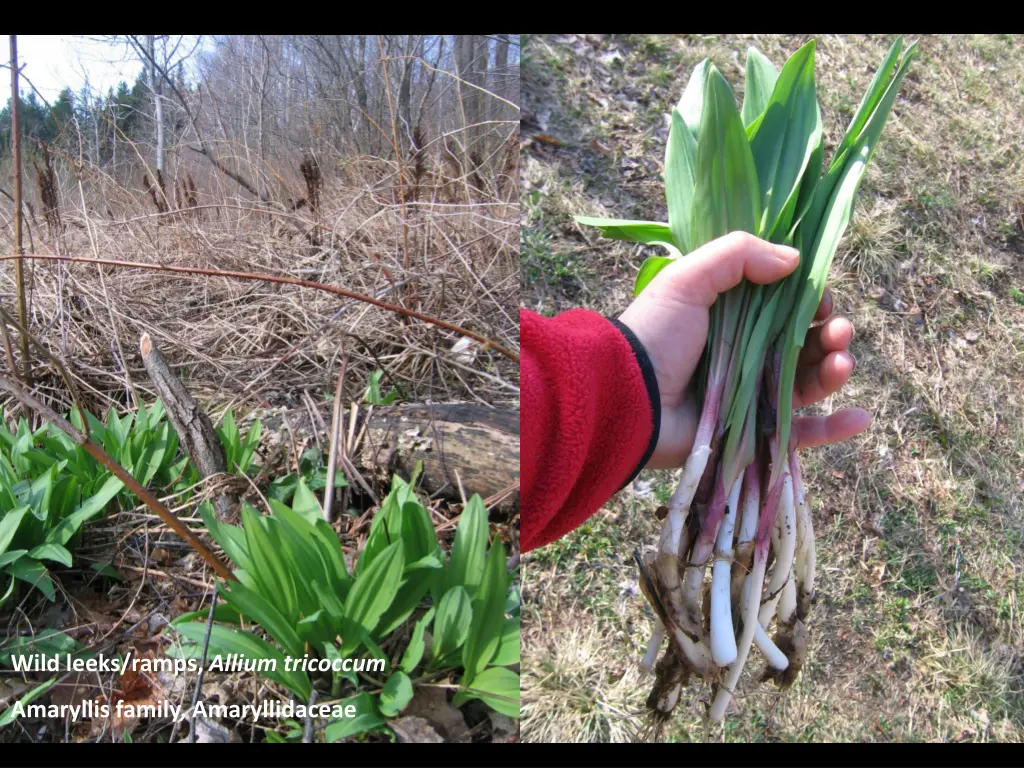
x=76 y=397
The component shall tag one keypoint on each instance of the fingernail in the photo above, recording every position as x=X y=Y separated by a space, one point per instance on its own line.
x=854 y=362
x=787 y=252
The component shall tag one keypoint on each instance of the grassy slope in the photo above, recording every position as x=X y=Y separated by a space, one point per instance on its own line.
x=918 y=632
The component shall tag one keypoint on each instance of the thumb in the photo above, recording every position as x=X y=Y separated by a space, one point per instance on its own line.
x=698 y=278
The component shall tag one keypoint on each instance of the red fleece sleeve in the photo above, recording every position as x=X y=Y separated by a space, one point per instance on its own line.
x=590 y=411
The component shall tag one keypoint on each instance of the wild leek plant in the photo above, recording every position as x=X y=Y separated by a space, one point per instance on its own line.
x=758 y=169
x=293 y=581
x=50 y=486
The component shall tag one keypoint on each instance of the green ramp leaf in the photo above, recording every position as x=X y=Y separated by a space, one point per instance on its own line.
x=648 y=271
x=488 y=613
x=785 y=142
x=224 y=640
x=758 y=87
x=466 y=567
x=726 y=196
x=452 y=623
x=646 y=232
x=396 y=695
x=11 y=714
x=366 y=718
x=691 y=105
x=374 y=590
x=680 y=178
x=497 y=687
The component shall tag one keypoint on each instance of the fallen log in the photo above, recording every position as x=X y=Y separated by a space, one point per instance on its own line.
x=456 y=442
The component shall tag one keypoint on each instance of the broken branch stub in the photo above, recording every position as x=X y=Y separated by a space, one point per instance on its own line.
x=194 y=427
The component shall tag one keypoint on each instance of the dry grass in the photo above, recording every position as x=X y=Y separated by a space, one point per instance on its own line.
x=918 y=631
x=256 y=344
x=572 y=693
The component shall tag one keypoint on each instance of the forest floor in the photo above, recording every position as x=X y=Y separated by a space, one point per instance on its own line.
x=918 y=630
x=257 y=349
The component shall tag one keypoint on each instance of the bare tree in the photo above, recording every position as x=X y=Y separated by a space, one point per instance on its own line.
x=156 y=86
x=255 y=105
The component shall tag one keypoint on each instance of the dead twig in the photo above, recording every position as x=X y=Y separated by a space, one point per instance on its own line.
x=332 y=458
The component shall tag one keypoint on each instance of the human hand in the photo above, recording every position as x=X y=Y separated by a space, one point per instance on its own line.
x=670 y=318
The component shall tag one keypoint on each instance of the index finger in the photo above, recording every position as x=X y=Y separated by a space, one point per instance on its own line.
x=834 y=428
x=716 y=267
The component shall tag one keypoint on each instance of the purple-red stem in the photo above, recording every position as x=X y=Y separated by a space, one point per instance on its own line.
x=767 y=520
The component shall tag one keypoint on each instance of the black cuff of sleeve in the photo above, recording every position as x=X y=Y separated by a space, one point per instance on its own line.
x=653 y=394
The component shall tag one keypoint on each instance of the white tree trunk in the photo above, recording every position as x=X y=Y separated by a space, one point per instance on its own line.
x=156 y=86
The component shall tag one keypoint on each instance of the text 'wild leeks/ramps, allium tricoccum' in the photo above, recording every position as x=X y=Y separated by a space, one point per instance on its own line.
x=756 y=169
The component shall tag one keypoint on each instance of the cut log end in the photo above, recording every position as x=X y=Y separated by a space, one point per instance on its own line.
x=459 y=444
